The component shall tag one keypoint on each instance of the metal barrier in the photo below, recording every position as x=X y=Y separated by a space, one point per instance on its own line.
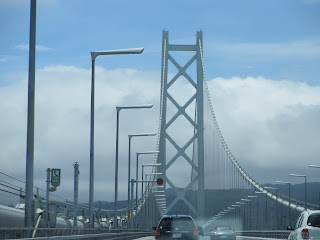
x=266 y=234
x=70 y=233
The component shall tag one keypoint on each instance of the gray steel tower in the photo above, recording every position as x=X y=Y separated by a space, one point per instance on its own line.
x=196 y=182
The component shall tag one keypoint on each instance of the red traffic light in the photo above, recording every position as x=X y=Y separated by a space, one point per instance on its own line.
x=159 y=181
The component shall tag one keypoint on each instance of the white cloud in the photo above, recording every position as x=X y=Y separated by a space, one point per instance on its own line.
x=62 y=122
x=297 y=49
x=3 y=59
x=25 y=47
x=267 y=124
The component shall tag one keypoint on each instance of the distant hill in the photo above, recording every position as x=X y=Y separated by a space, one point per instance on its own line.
x=216 y=200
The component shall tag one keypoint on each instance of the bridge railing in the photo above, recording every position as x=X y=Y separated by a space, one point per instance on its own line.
x=71 y=233
x=265 y=234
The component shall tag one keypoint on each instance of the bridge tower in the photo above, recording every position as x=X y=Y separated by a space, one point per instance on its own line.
x=197 y=124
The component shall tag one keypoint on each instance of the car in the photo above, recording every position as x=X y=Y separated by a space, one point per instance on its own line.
x=176 y=227
x=222 y=232
x=307 y=226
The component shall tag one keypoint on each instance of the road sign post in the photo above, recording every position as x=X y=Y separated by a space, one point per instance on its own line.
x=55 y=177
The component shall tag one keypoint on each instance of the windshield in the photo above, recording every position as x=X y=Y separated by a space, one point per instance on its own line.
x=222 y=228
x=168 y=224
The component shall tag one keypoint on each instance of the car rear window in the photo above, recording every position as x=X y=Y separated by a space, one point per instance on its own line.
x=314 y=220
x=222 y=228
x=168 y=224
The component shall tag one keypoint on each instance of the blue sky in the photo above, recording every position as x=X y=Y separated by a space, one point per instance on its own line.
x=262 y=61
x=242 y=38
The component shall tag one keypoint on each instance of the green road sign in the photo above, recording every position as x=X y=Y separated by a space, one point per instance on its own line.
x=55 y=177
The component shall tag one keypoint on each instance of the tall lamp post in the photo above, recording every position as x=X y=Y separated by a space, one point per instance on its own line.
x=243 y=204
x=148 y=165
x=237 y=217
x=129 y=160
x=305 y=187
x=137 y=169
x=289 y=185
x=316 y=166
x=149 y=217
x=266 y=211
x=117 y=156
x=30 y=122
x=246 y=200
x=276 y=190
x=94 y=55
x=252 y=221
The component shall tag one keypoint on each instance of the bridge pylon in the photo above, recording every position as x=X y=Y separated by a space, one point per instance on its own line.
x=196 y=161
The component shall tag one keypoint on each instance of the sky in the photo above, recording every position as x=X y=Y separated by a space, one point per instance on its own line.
x=262 y=63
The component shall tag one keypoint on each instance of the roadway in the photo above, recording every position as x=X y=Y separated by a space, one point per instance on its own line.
x=208 y=238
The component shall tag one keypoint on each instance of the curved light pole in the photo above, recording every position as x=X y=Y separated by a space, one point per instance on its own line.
x=246 y=200
x=253 y=197
x=305 y=187
x=94 y=55
x=289 y=185
x=117 y=155
x=129 y=160
x=276 y=190
x=266 y=193
x=243 y=204
x=238 y=217
x=148 y=211
x=316 y=166
x=148 y=165
x=137 y=169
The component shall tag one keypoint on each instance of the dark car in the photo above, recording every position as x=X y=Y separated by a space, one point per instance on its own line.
x=177 y=227
x=222 y=233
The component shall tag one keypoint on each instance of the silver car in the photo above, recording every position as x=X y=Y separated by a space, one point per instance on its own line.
x=222 y=233
x=307 y=226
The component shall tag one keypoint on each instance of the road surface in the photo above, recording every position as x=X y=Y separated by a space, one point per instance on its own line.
x=207 y=238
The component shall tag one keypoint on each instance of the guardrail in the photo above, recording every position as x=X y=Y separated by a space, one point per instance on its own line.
x=266 y=234
x=70 y=233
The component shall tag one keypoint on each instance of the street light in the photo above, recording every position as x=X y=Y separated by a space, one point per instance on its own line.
x=148 y=165
x=316 y=166
x=238 y=217
x=266 y=193
x=117 y=154
x=137 y=169
x=252 y=206
x=305 y=187
x=246 y=200
x=276 y=190
x=94 y=55
x=129 y=158
x=289 y=184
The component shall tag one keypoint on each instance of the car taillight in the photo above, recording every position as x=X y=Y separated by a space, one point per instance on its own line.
x=158 y=233
x=214 y=233
x=305 y=233
x=232 y=233
x=195 y=233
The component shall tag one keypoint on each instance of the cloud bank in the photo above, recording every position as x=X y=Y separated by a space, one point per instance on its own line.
x=271 y=126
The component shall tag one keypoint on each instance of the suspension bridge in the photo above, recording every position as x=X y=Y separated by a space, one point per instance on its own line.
x=194 y=173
